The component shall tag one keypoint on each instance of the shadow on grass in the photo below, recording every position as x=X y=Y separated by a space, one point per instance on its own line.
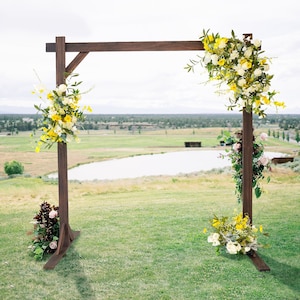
x=72 y=269
x=288 y=275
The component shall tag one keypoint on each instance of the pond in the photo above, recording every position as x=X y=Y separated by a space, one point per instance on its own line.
x=171 y=163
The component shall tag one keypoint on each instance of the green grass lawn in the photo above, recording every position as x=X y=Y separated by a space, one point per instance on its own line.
x=142 y=238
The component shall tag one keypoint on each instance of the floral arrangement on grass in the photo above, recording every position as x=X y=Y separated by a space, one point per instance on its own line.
x=61 y=114
x=46 y=231
x=260 y=163
x=242 y=67
x=236 y=234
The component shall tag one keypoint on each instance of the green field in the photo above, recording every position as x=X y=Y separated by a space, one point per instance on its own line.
x=142 y=238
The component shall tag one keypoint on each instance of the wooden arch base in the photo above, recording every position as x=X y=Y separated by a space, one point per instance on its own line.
x=66 y=237
x=62 y=71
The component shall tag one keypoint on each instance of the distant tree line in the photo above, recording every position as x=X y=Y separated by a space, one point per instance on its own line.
x=14 y=123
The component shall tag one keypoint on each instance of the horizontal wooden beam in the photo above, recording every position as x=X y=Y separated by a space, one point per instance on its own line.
x=129 y=46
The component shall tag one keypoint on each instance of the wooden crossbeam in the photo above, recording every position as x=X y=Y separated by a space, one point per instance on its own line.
x=129 y=46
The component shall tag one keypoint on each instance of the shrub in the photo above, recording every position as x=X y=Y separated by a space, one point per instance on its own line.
x=13 y=167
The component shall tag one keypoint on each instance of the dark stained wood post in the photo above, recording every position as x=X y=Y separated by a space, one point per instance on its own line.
x=247 y=190
x=247 y=144
x=66 y=235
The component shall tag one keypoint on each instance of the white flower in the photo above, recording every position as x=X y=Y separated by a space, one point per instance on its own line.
x=236 y=147
x=234 y=55
x=239 y=69
x=257 y=72
x=207 y=58
x=257 y=43
x=233 y=247
x=53 y=245
x=264 y=160
x=241 y=82
x=214 y=59
x=248 y=52
x=214 y=239
x=61 y=89
x=53 y=214
x=247 y=249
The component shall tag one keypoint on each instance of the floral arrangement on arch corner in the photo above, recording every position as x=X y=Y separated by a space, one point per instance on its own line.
x=61 y=113
x=242 y=67
x=236 y=234
x=45 y=231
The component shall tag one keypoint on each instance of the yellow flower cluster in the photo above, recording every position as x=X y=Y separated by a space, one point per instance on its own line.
x=240 y=65
x=61 y=114
x=236 y=234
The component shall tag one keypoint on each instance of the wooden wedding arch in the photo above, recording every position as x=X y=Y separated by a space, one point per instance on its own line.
x=60 y=47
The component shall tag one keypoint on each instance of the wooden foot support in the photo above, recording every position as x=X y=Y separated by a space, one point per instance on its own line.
x=67 y=236
x=258 y=262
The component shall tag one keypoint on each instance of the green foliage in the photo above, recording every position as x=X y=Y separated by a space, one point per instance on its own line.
x=13 y=168
x=259 y=163
x=46 y=231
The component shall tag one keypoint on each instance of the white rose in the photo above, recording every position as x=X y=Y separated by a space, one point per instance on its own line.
x=264 y=160
x=62 y=88
x=233 y=247
x=247 y=249
x=257 y=72
x=214 y=239
x=241 y=82
x=257 y=43
x=52 y=214
x=53 y=245
x=234 y=54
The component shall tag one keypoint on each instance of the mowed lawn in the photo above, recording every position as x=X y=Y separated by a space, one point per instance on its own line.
x=142 y=238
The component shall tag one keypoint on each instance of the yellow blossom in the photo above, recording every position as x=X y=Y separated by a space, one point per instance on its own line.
x=216 y=223
x=221 y=62
x=205 y=230
x=233 y=87
x=279 y=104
x=265 y=100
x=260 y=228
x=67 y=118
x=50 y=96
x=56 y=117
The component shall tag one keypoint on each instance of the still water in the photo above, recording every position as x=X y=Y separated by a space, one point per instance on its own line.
x=172 y=163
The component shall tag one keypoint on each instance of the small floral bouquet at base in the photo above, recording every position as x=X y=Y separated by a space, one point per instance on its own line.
x=46 y=231
x=237 y=235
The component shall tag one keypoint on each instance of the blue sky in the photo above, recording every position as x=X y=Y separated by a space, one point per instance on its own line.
x=141 y=82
